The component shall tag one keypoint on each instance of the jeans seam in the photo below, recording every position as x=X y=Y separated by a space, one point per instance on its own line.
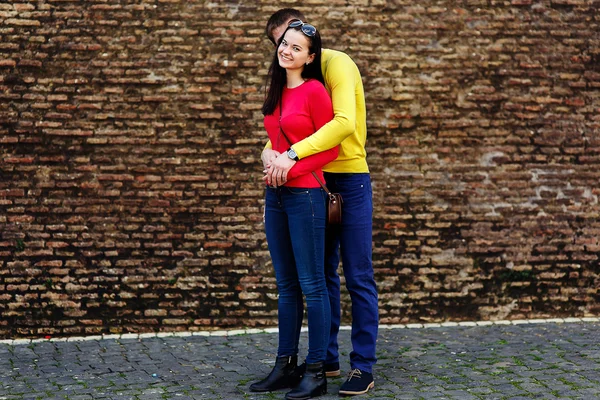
x=312 y=208
x=323 y=350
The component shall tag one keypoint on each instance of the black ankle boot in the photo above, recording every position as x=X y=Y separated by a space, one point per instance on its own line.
x=313 y=383
x=283 y=375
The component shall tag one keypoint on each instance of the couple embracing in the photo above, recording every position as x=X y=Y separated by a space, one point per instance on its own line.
x=314 y=136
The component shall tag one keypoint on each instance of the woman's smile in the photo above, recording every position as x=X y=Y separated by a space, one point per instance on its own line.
x=284 y=57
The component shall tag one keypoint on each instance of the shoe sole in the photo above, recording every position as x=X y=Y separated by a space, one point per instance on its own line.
x=268 y=390
x=332 y=374
x=349 y=393
x=323 y=392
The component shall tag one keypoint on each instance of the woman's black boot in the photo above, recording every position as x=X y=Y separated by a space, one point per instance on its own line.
x=284 y=375
x=313 y=383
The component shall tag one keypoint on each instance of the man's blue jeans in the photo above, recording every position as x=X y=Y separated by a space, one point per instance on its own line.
x=295 y=227
x=354 y=241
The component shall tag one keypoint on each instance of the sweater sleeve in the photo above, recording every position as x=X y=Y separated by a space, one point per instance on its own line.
x=340 y=75
x=321 y=112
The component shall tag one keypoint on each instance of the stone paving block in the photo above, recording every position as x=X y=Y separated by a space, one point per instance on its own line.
x=123 y=396
x=481 y=390
x=460 y=394
x=408 y=396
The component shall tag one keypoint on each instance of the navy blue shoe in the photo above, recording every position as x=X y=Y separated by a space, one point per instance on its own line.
x=332 y=370
x=358 y=382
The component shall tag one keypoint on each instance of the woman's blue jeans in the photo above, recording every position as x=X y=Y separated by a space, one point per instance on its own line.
x=295 y=227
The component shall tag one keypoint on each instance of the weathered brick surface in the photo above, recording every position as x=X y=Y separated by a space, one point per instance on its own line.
x=130 y=135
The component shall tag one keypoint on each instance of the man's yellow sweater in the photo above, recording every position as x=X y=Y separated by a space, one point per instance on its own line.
x=348 y=128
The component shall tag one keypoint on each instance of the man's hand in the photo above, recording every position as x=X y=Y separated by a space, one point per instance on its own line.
x=267 y=157
x=277 y=172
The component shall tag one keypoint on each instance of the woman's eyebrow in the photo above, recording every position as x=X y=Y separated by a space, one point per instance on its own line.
x=295 y=44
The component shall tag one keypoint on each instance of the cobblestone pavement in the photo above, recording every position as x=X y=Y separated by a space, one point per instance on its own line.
x=511 y=361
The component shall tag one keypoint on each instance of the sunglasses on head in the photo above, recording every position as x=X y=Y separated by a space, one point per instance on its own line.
x=307 y=29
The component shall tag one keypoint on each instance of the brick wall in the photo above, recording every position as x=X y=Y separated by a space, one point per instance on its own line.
x=130 y=136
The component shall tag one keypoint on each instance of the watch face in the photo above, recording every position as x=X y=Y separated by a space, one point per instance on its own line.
x=292 y=154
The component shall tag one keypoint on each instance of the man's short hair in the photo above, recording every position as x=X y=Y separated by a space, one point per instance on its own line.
x=281 y=17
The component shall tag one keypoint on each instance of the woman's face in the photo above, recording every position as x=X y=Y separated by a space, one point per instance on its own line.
x=293 y=50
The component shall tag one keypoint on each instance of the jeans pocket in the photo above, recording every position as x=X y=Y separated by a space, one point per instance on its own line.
x=296 y=191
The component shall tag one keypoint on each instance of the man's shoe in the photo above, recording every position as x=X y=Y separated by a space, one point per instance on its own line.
x=283 y=375
x=358 y=382
x=332 y=370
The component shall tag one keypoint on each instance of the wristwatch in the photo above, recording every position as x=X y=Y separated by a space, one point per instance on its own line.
x=292 y=154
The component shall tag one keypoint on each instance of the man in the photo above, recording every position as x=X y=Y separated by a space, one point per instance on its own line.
x=349 y=176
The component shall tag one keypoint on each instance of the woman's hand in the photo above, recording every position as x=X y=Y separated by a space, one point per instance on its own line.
x=267 y=157
x=278 y=170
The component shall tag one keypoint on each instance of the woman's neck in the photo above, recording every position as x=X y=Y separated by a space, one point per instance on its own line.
x=294 y=78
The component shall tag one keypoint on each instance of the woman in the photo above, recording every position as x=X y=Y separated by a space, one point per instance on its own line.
x=297 y=104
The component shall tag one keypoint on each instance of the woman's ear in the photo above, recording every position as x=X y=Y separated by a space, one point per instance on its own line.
x=310 y=59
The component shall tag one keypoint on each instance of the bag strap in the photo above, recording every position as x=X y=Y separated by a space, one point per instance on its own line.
x=290 y=142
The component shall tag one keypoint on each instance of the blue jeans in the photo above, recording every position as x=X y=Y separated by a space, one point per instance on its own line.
x=295 y=227
x=353 y=239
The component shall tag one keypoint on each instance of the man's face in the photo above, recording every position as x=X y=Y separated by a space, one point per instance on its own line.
x=277 y=32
